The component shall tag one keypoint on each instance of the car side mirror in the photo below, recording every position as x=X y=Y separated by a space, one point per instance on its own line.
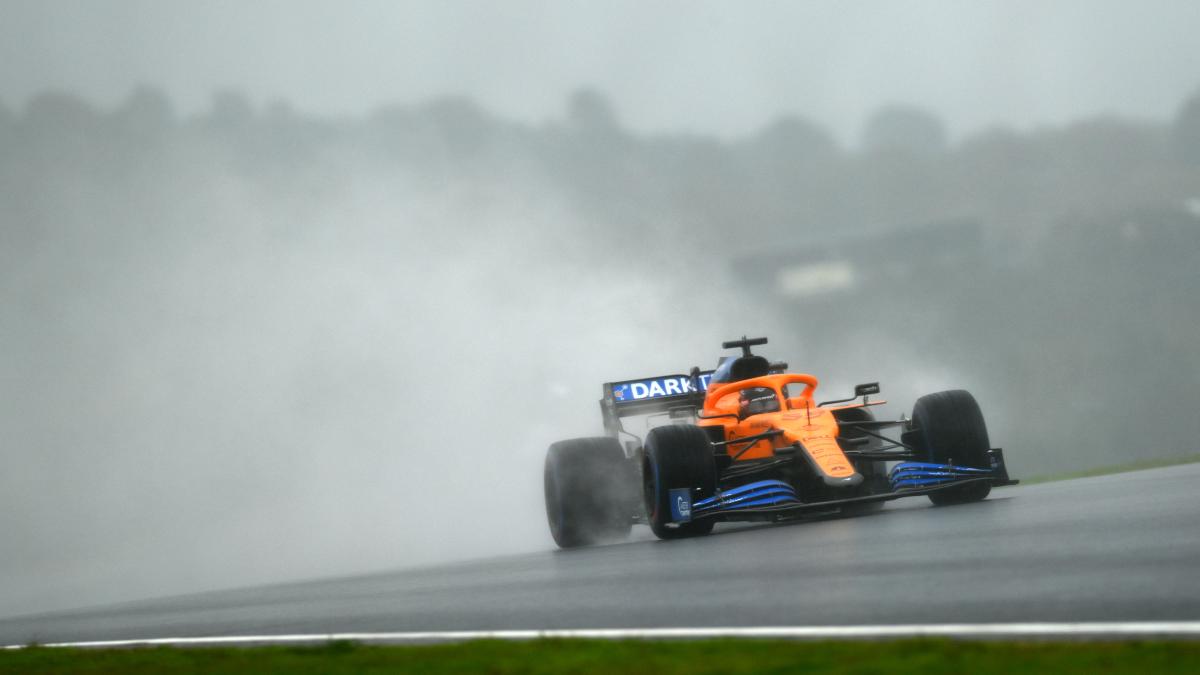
x=863 y=390
x=867 y=389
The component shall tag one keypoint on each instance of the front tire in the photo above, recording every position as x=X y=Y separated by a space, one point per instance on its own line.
x=677 y=456
x=591 y=491
x=949 y=429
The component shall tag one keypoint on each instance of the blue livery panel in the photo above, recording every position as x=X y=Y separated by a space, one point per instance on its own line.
x=665 y=386
x=924 y=474
x=760 y=493
x=681 y=505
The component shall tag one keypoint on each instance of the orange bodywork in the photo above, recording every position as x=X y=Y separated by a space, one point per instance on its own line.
x=799 y=420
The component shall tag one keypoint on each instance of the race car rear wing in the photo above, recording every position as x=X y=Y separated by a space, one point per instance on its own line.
x=651 y=395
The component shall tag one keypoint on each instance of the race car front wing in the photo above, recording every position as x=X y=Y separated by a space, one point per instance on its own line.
x=778 y=500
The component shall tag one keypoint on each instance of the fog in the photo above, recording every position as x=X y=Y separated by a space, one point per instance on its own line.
x=702 y=66
x=256 y=329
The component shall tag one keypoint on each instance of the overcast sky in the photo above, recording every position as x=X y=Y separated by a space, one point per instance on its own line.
x=719 y=67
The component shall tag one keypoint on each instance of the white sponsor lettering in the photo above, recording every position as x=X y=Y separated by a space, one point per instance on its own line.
x=667 y=386
x=682 y=505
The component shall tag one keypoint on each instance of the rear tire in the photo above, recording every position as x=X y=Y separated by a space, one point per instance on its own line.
x=591 y=491
x=949 y=429
x=677 y=456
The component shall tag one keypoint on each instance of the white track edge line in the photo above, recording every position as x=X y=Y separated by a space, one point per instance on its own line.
x=1078 y=629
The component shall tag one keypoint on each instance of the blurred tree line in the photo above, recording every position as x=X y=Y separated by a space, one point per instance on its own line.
x=789 y=180
x=1079 y=302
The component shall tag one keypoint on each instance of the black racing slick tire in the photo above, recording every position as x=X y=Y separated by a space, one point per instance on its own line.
x=677 y=456
x=949 y=429
x=591 y=491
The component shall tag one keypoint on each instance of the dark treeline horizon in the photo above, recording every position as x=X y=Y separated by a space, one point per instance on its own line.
x=790 y=177
x=250 y=330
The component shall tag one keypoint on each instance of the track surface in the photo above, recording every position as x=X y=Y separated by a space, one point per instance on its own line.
x=1124 y=547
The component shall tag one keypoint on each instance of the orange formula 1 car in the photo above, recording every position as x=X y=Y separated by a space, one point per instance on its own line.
x=747 y=441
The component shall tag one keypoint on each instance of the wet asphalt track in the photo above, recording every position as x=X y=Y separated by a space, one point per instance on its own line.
x=1115 y=548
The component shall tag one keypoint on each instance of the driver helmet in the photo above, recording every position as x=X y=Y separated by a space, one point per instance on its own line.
x=755 y=400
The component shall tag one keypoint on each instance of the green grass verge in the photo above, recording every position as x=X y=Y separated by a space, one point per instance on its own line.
x=1118 y=468
x=727 y=657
